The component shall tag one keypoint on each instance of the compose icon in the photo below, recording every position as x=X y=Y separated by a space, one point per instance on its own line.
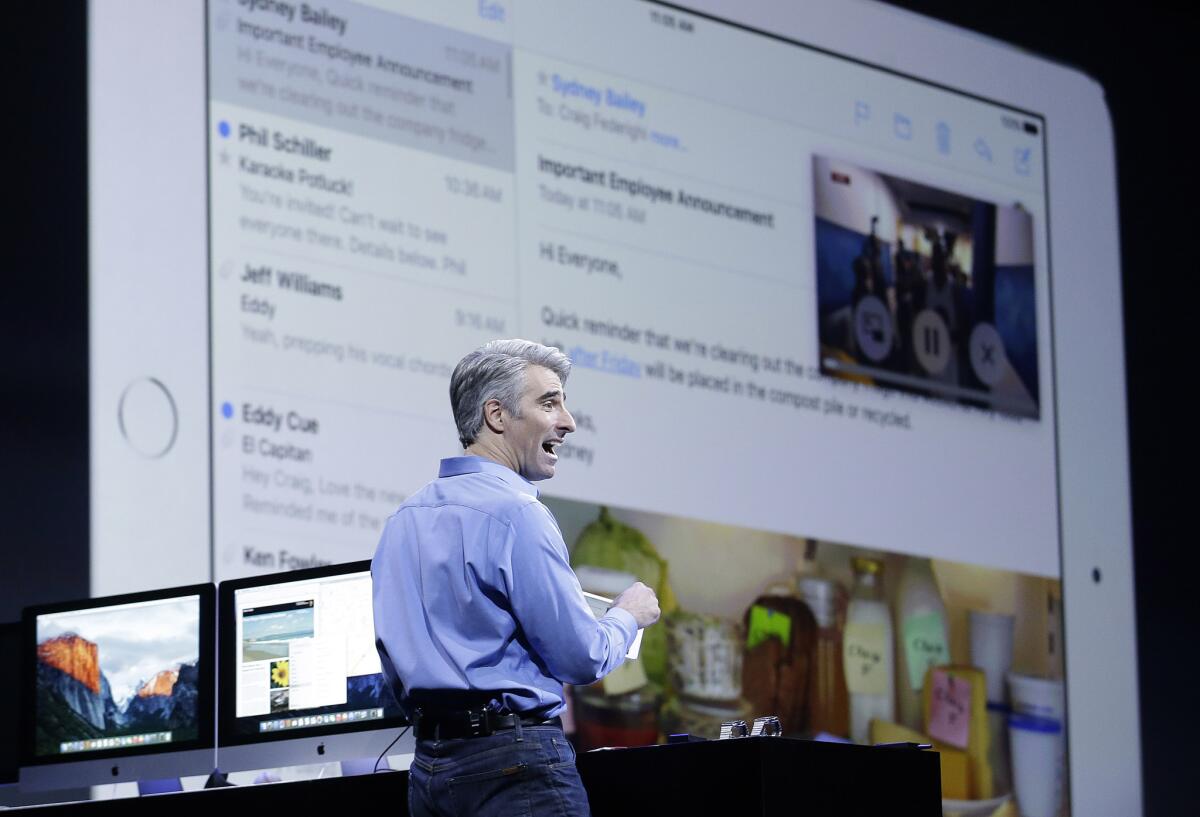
x=1022 y=159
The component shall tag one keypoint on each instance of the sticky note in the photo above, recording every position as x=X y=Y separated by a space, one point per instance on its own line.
x=767 y=623
x=950 y=709
x=924 y=645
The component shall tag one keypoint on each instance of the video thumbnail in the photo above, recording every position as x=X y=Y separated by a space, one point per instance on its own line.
x=924 y=290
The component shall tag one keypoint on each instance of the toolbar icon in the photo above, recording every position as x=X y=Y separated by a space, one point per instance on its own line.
x=983 y=150
x=862 y=112
x=942 y=134
x=902 y=126
x=1022 y=159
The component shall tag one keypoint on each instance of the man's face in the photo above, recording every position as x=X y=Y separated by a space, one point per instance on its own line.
x=534 y=437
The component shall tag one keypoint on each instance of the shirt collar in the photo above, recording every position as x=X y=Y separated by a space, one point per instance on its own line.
x=454 y=466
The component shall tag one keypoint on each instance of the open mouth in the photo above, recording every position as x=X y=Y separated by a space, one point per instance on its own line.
x=550 y=446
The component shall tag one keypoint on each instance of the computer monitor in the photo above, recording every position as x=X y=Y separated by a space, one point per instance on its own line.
x=300 y=680
x=118 y=688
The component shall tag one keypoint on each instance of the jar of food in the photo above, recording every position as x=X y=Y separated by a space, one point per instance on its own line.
x=615 y=720
x=704 y=656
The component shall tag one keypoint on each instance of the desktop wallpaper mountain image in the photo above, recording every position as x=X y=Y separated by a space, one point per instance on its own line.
x=75 y=701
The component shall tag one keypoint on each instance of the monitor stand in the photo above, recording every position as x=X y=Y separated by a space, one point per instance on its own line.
x=363 y=765
x=163 y=785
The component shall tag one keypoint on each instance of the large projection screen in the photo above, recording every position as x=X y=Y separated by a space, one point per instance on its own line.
x=827 y=271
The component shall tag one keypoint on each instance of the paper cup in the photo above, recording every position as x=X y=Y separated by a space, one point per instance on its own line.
x=1040 y=697
x=1037 y=764
x=992 y=650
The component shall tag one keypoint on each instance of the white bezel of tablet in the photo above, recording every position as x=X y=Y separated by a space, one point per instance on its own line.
x=149 y=330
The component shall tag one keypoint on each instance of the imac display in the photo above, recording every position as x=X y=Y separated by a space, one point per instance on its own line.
x=300 y=677
x=119 y=679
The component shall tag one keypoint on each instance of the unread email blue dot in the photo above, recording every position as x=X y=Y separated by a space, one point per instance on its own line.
x=223 y=129
x=227 y=410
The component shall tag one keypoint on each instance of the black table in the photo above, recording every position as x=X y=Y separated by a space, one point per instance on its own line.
x=743 y=776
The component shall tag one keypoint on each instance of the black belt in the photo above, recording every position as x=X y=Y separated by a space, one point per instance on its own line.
x=473 y=723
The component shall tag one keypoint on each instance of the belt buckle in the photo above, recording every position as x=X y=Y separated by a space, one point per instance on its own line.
x=478 y=723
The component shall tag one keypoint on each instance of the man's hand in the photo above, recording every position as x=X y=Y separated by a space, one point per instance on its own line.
x=640 y=601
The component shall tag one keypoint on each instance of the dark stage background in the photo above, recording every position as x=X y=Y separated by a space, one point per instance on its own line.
x=1142 y=55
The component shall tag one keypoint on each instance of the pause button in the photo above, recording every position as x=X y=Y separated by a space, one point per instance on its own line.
x=931 y=341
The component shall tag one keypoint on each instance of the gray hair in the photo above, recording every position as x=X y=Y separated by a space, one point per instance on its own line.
x=496 y=371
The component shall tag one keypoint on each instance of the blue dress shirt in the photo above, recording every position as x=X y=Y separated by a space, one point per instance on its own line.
x=473 y=590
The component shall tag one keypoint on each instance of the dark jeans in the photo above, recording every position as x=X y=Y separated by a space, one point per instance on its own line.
x=528 y=770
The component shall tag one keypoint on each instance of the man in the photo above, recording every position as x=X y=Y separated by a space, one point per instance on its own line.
x=478 y=616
